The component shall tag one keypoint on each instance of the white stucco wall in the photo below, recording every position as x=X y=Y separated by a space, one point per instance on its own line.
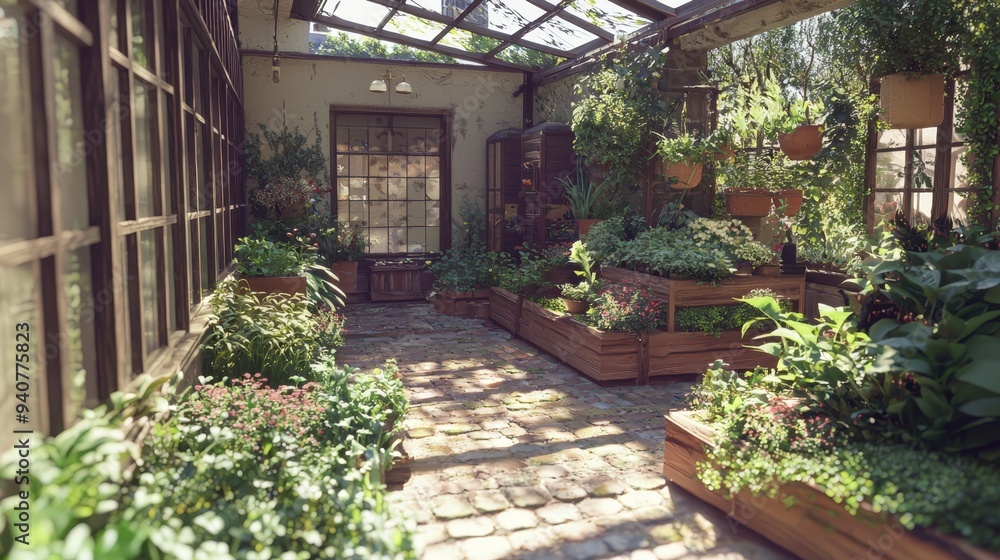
x=480 y=102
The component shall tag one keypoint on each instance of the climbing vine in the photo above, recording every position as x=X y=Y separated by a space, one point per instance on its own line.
x=979 y=114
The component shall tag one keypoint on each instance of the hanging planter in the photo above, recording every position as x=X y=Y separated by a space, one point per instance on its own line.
x=681 y=175
x=802 y=144
x=912 y=102
x=748 y=202
x=792 y=200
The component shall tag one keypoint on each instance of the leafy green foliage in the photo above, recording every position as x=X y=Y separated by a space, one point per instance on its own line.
x=913 y=36
x=328 y=327
x=716 y=319
x=256 y=257
x=704 y=249
x=288 y=156
x=582 y=195
x=274 y=337
x=465 y=270
x=766 y=438
x=626 y=306
x=292 y=471
x=528 y=277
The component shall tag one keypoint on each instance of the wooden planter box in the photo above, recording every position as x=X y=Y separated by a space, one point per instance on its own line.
x=814 y=526
x=688 y=293
x=614 y=356
x=600 y=355
x=686 y=353
x=459 y=304
x=827 y=288
x=268 y=285
x=395 y=283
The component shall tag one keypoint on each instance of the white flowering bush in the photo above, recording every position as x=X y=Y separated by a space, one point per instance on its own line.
x=706 y=250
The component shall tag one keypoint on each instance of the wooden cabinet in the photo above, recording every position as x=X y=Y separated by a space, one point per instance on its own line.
x=504 y=192
x=547 y=150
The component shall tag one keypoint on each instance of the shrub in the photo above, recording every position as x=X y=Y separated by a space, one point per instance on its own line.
x=274 y=337
x=256 y=257
x=328 y=327
x=626 y=306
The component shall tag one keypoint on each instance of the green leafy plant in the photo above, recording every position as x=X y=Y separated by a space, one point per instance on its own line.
x=258 y=257
x=589 y=284
x=582 y=196
x=626 y=306
x=288 y=156
x=913 y=36
x=274 y=337
x=716 y=319
x=328 y=328
x=526 y=278
x=340 y=242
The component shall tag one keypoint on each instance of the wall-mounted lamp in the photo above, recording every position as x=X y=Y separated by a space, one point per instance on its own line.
x=382 y=83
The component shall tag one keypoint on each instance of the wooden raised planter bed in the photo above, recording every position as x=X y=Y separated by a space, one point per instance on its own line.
x=600 y=355
x=813 y=526
x=396 y=283
x=827 y=288
x=616 y=356
x=460 y=304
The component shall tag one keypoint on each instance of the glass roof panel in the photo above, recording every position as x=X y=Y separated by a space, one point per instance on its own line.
x=413 y=26
x=430 y=5
x=509 y=16
x=611 y=17
x=365 y=13
x=561 y=34
x=471 y=42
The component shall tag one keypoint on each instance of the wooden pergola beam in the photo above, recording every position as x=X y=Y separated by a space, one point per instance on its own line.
x=461 y=18
x=530 y=27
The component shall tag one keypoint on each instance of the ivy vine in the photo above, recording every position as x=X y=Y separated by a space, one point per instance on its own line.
x=979 y=113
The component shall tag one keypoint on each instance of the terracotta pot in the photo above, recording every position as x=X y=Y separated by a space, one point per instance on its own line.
x=916 y=103
x=748 y=202
x=347 y=276
x=688 y=176
x=803 y=144
x=583 y=226
x=792 y=199
x=725 y=153
x=575 y=307
x=267 y=285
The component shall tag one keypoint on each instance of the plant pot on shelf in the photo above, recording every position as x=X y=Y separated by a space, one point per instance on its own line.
x=687 y=175
x=803 y=144
x=575 y=307
x=583 y=226
x=912 y=103
x=792 y=199
x=748 y=202
x=347 y=275
x=268 y=285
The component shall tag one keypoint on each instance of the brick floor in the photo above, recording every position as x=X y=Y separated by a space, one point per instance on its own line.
x=515 y=455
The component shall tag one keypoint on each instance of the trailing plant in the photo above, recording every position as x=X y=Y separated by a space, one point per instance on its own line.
x=626 y=306
x=289 y=157
x=274 y=336
x=918 y=37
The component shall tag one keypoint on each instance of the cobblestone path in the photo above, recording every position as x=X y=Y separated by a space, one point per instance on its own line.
x=514 y=455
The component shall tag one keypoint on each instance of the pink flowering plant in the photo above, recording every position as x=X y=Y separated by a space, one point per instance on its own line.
x=283 y=193
x=626 y=306
x=284 y=471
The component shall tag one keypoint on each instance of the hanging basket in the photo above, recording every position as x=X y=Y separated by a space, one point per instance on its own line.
x=803 y=144
x=912 y=103
x=687 y=176
x=748 y=202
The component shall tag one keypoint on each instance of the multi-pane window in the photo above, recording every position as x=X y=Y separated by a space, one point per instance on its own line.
x=388 y=179
x=145 y=135
x=122 y=184
x=921 y=172
x=46 y=231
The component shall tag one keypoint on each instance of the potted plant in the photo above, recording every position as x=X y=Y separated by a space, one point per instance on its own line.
x=576 y=296
x=798 y=137
x=915 y=43
x=342 y=246
x=264 y=266
x=582 y=196
x=683 y=158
